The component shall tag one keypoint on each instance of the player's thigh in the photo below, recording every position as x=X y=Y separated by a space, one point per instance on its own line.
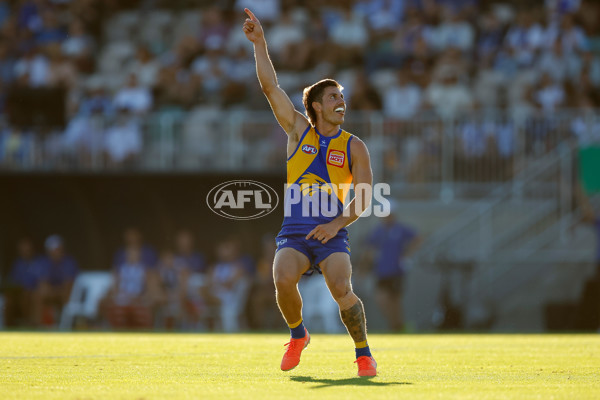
x=337 y=270
x=289 y=265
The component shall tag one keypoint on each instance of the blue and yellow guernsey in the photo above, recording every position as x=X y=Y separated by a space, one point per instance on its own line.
x=318 y=170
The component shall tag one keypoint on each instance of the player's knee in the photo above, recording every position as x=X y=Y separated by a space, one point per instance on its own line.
x=347 y=301
x=339 y=289
x=285 y=280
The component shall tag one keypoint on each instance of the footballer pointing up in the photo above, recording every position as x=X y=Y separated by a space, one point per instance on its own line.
x=329 y=157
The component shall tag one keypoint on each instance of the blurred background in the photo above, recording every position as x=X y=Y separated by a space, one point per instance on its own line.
x=118 y=117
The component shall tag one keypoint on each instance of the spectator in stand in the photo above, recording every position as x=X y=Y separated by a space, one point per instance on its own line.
x=213 y=28
x=364 y=96
x=525 y=38
x=186 y=254
x=173 y=302
x=133 y=97
x=79 y=46
x=489 y=41
x=57 y=272
x=133 y=240
x=448 y=96
x=349 y=35
x=571 y=36
x=131 y=301
x=548 y=95
x=454 y=32
x=558 y=65
x=61 y=71
x=286 y=37
x=391 y=243
x=33 y=68
x=50 y=31
x=145 y=67
x=212 y=68
x=381 y=15
x=22 y=283
x=403 y=100
x=230 y=284
x=123 y=141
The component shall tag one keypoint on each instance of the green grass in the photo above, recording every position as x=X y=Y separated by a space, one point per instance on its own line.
x=207 y=366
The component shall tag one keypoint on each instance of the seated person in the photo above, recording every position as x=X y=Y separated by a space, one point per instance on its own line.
x=56 y=273
x=173 y=279
x=22 y=282
x=129 y=304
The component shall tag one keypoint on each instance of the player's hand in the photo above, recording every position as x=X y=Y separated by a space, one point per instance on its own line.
x=323 y=232
x=252 y=27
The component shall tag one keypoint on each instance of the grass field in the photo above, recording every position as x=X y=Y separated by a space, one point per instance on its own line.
x=212 y=366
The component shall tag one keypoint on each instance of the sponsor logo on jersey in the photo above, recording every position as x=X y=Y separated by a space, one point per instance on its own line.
x=242 y=199
x=308 y=149
x=323 y=143
x=336 y=158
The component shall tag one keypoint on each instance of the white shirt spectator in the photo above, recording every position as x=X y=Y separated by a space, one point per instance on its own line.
x=550 y=97
x=133 y=97
x=402 y=102
x=123 y=140
x=147 y=72
x=350 y=31
x=37 y=68
x=284 y=33
x=381 y=14
x=455 y=33
x=449 y=99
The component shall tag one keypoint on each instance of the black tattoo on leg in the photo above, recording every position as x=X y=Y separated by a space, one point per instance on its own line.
x=355 y=321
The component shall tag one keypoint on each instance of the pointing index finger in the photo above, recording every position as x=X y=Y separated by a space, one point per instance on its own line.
x=251 y=15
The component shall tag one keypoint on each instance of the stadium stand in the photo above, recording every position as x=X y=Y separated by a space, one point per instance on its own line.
x=475 y=111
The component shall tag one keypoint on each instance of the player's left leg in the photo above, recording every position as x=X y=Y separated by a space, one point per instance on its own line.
x=337 y=271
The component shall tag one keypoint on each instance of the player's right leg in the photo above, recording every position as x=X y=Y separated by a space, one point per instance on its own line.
x=288 y=267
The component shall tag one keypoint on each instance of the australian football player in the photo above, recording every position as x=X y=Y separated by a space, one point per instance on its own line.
x=319 y=153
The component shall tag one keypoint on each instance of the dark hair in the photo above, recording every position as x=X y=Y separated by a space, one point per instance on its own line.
x=315 y=93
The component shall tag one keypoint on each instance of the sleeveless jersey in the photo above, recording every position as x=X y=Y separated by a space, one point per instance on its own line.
x=319 y=167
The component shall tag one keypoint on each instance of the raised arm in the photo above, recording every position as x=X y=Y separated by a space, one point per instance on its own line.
x=292 y=121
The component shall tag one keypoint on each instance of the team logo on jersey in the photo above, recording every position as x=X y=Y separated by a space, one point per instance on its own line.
x=336 y=158
x=308 y=149
x=311 y=183
x=242 y=199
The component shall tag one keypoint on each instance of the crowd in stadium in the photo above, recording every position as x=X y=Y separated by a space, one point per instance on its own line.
x=65 y=64
x=172 y=289
x=180 y=288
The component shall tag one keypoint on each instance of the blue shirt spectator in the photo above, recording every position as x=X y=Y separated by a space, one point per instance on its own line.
x=195 y=261
x=56 y=268
x=133 y=241
x=57 y=272
x=186 y=255
x=25 y=273
x=391 y=240
x=147 y=255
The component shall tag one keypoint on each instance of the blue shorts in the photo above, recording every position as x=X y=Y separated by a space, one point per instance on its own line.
x=313 y=249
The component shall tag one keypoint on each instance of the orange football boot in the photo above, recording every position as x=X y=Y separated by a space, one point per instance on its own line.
x=291 y=358
x=367 y=366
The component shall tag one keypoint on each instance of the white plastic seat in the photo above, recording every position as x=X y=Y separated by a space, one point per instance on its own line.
x=88 y=289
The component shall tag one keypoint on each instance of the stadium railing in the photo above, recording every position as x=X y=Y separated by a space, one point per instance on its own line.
x=428 y=155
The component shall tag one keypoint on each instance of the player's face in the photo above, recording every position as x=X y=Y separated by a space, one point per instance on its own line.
x=334 y=106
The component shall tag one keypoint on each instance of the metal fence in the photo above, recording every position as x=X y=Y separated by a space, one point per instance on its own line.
x=428 y=152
